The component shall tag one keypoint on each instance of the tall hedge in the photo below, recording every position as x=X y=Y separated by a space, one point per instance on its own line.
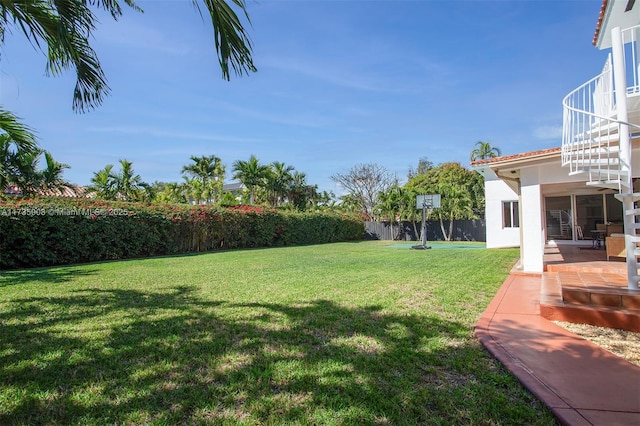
x=54 y=231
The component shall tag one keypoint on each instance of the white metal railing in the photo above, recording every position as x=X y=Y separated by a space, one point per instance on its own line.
x=589 y=137
x=590 y=141
x=592 y=130
x=631 y=41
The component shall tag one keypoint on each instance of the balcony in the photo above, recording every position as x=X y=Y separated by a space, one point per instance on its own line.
x=591 y=122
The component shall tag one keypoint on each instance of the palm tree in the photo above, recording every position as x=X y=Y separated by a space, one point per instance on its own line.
x=8 y=162
x=350 y=203
x=64 y=29
x=171 y=192
x=194 y=190
x=16 y=133
x=128 y=183
x=19 y=166
x=251 y=173
x=18 y=152
x=456 y=204
x=210 y=172
x=52 y=175
x=484 y=150
x=67 y=32
x=389 y=204
x=26 y=175
x=408 y=210
x=299 y=193
x=103 y=183
x=279 y=179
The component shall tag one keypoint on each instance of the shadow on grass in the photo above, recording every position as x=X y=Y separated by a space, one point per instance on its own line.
x=46 y=275
x=128 y=356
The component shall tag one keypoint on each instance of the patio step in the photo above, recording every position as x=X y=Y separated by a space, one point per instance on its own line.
x=596 y=298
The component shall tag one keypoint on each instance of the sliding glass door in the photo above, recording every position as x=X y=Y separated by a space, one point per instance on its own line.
x=589 y=213
x=574 y=217
x=559 y=223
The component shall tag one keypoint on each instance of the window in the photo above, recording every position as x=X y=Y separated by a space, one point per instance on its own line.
x=510 y=215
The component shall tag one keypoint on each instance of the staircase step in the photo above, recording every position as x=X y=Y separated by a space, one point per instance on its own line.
x=603 y=126
x=599 y=145
x=612 y=184
x=630 y=196
x=592 y=146
x=576 y=172
x=611 y=138
x=593 y=150
x=597 y=163
x=632 y=212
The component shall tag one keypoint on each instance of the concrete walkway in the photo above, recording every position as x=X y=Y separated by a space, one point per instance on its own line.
x=580 y=382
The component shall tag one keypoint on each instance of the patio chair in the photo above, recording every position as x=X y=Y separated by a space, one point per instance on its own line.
x=579 y=234
x=615 y=246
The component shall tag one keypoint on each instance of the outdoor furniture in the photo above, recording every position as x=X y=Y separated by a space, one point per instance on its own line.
x=579 y=234
x=616 y=246
x=598 y=236
x=615 y=229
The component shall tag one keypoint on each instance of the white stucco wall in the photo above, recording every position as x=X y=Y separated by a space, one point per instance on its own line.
x=497 y=191
x=532 y=249
x=537 y=180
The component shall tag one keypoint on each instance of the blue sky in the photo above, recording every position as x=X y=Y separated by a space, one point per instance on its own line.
x=339 y=83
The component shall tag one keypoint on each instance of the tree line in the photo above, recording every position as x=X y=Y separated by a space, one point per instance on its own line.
x=276 y=184
x=380 y=197
x=378 y=194
x=369 y=189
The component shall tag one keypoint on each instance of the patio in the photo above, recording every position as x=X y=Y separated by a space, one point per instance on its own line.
x=582 y=383
x=580 y=285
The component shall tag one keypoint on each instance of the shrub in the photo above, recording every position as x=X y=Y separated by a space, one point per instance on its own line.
x=48 y=232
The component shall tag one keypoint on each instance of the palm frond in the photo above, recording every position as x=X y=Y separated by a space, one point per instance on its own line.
x=20 y=134
x=232 y=43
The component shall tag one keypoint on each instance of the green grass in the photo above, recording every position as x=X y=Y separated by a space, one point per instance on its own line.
x=350 y=333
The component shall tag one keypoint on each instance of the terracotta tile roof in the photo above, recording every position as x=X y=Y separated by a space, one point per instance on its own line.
x=70 y=191
x=599 y=24
x=524 y=155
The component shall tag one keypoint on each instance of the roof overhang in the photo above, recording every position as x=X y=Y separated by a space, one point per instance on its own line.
x=507 y=168
x=511 y=162
x=615 y=13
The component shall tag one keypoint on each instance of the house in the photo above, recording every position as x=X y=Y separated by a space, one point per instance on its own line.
x=574 y=192
x=236 y=189
x=66 y=191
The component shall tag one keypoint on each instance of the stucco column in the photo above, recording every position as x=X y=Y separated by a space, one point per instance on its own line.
x=532 y=228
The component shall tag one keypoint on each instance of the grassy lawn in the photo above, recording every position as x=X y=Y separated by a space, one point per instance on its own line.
x=350 y=333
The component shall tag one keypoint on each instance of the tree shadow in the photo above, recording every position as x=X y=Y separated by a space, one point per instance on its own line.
x=45 y=275
x=131 y=356
x=550 y=348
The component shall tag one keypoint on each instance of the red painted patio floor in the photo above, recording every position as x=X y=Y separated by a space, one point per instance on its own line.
x=581 y=286
x=580 y=382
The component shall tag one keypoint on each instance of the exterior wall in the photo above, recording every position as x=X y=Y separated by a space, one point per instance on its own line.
x=532 y=249
x=497 y=191
x=541 y=178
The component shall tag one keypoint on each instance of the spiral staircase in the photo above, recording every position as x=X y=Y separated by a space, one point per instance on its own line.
x=601 y=121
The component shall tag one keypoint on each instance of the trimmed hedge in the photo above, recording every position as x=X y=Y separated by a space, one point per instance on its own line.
x=49 y=232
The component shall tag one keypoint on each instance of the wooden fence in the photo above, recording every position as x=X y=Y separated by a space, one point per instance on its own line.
x=463 y=230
